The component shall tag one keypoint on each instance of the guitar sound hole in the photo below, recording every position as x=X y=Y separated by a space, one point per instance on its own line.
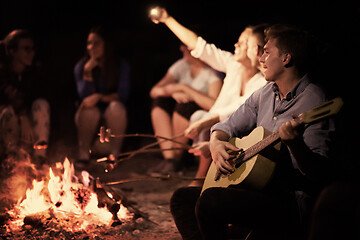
x=240 y=159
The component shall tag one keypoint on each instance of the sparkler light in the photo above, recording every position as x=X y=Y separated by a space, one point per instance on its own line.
x=155 y=13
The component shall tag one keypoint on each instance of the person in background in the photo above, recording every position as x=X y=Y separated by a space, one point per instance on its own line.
x=189 y=85
x=243 y=77
x=103 y=82
x=24 y=110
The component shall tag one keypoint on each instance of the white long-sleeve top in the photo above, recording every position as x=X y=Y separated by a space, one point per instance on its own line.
x=229 y=98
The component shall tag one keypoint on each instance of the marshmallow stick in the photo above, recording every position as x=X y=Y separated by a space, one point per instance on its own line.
x=112 y=165
x=105 y=136
x=148 y=178
x=143 y=151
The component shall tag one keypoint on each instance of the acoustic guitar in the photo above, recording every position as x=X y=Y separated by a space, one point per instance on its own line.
x=253 y=169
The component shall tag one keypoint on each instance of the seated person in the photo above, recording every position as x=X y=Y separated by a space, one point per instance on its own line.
x=189 y=85
x=103 y=86
x=24 y=111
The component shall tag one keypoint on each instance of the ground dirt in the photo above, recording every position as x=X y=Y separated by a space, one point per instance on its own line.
x=151 y=196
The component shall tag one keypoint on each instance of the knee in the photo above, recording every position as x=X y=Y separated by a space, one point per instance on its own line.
x=116 y=108
x=207 y=203
x=182 y=197
x=155 y=111
x=41 y=105
x=8 y=112
x=178 y=196
x=87 y=114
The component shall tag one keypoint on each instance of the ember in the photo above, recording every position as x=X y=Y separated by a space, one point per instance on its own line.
x=65 y=202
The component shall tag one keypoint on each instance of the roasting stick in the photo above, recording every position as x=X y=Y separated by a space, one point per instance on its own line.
x=143 y=151
x=111 y=166
x=105 y=135
x=164 y=177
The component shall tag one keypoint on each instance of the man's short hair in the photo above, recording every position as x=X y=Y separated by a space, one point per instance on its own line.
x=301 y=45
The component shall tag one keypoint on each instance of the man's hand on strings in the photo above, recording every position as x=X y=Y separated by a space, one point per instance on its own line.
x=220 y=154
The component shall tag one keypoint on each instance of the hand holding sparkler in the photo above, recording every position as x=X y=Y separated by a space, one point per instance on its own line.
x=158 y=14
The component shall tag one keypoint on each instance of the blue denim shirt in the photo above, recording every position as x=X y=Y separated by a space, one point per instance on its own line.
x=264 y=108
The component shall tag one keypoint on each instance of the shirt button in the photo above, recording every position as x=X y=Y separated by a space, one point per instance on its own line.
x=275 y=118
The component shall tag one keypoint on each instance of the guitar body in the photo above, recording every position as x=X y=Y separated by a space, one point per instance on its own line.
x=253 y=169
x=254 y=173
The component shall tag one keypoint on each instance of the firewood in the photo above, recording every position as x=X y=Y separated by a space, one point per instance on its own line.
x=105 y=200
x=119 y=196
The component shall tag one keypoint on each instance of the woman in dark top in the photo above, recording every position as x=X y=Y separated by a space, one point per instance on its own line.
x=103 y=88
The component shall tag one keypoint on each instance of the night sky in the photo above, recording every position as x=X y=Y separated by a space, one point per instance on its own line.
x=61 y=27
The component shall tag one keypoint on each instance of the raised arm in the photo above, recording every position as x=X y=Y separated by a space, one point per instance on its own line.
x=188 y=37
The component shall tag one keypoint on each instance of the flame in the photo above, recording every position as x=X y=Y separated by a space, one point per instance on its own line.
x=34 y=196
x=65 y=195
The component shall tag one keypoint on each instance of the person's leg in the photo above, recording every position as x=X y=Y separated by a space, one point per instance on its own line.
x=41 y=120
x=10 y=129
x=201 y=145
x=182 y=206
x=204 y=164
x=218 y=207
x=116 y=119
x=161 y=122
x=179 y=124
x=86 y=120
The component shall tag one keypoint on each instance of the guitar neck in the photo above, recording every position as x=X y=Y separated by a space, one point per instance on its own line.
x=258 y=147
x=319 y=112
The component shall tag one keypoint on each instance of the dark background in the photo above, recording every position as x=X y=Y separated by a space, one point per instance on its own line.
x=61 y=28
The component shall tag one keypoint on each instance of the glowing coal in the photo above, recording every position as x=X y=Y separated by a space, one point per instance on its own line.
x=66 y=198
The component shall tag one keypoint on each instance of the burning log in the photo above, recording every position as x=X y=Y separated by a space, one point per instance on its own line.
x=35 y=220
x=119 y=196
x=105 y=201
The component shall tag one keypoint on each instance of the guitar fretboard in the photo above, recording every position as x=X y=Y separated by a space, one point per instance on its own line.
x=256 y=148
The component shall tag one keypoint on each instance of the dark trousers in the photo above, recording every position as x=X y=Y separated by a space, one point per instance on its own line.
x=208 y=216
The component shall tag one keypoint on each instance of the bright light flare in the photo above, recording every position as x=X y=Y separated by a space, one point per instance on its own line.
x=155 y=13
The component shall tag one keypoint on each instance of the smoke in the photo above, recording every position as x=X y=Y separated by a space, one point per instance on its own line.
x=17 y=173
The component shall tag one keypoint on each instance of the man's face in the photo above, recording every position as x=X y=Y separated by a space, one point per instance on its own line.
x=272 y=61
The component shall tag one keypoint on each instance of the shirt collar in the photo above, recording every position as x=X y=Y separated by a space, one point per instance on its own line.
x=299 y=88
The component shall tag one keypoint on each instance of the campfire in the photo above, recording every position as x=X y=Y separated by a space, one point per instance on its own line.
x=63 y=205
